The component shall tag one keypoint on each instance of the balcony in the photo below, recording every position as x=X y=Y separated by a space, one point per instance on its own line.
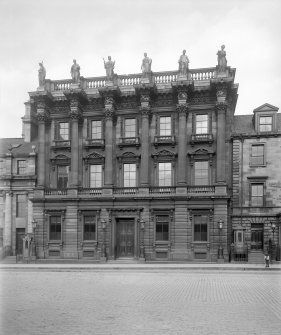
x=125 y=190
x=61 y=145
x=129 y=142
x=202 y=138
x=94 y=143
x=162 y=190
x=164 y=140
x=55 y=191
x=200 y=190
x=97 y=191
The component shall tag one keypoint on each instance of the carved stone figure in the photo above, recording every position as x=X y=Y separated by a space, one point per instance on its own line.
x=75 y=72
x=183 y=63
x=146 y=65
x=109 y=67
x=222 y=62
x=41 y=74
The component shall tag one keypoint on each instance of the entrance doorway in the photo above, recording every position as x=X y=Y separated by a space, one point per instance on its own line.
x=125 y=238
x=20 y=233
x=257 y=239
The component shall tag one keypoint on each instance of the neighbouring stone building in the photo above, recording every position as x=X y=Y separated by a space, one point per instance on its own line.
x=135 y=166
x=257 y=184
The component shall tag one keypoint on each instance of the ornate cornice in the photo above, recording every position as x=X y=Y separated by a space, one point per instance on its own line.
x=109 y=113
x=221 y=107
x=145 y=111
x=182 y=108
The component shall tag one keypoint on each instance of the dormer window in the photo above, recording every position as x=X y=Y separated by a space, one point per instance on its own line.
x=265 y=123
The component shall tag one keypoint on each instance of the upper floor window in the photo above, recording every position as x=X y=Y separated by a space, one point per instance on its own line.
x=21 y=167
x=257 y=155
x=257 y=194
x=89 y=227
x=55 y=227
x=96 y=175
x=21 y=205
x=265 y=123
x=1 y=168
x=165 y=174
x=63 y=175
x=96 y=130
x=201 y=173
x=201 y=125
x=200 y=228
x=162 y=228
x=63 y=131
x=129 y=179
x=130 y=128
x=165 y=128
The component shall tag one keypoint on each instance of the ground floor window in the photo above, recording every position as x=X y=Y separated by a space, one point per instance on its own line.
x=162 y=228
x=55 y=228
x=89 y=228
x=200 y=228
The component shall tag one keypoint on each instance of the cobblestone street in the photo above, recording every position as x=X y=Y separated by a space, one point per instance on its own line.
x=135 y=302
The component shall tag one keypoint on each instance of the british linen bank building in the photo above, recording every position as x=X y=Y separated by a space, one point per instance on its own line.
x=132 y=166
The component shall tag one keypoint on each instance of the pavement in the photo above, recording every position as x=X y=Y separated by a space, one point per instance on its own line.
x=139 y=266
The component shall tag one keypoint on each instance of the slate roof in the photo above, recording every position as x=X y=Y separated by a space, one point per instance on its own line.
x=16 y=146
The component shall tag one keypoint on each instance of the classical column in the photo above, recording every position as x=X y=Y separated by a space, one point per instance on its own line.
x=182 y=111
x=108 y=112
x=221 y=108
x=8 y=224
x=144 y=170
x=42 y=117
x=75 y=116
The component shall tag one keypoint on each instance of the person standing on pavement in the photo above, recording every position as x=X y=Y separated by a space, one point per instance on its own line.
x=266 y=258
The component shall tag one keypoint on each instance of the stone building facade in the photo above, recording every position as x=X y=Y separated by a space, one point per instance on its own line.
x=257 y=184
x=138 y=166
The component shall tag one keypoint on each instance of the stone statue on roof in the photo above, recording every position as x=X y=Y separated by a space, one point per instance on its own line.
x=183 y=64
x=146 y=65
x=109 y=67
x=75 y=72
x=41 y=74
x=222 y=62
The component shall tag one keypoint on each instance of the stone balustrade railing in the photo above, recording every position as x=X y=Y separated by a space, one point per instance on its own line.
x=200 y=189
x=164 y=77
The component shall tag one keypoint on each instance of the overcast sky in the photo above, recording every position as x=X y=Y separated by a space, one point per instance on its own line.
x=88 y=30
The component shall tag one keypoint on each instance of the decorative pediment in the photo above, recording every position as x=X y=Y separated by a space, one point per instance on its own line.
x=266 y=108
x=94 y=155
x=164 y=153
x=201 y=154
x=60 y=160
x=93 y=158
x=128 y=157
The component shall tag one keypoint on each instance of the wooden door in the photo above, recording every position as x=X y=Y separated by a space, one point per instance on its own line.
x=125 y=238
x=20 y=233
x=257 y=239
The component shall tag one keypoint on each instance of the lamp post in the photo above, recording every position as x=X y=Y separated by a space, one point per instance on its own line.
x=142 y=239
x=273 y=227
x=34 y=225
x=103 y=226
x=220 y=250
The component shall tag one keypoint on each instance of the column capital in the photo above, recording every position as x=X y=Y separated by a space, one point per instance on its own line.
x=43 y=115
x=108 y=113
x=145 y=111
x=221 y=107
x=182 y=108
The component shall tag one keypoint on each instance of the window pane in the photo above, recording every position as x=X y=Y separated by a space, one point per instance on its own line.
x=201 y=124
x=63 y=173
x=257 y=154
x=21 y=205
x=96 y=130
x=130 y=127
x=165 y=174
x=129 y=175
x=257 y=194
x=21 y=167
x=201 y=173
x=96 y=175
x=89 y=228
x=200 y=227
x=165 y=126
x=63 y=131
x=265 y=123
x=55 y=228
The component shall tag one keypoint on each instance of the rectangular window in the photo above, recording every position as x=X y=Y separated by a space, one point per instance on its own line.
x=165 y=126
x=201 y=173
x=130 y=128
x=63 y=131
x=21 y=205
x=1 y=168
x=257 y=191
x=201 y=124
x=55 y=228
x=129 y=175
x=21 y=167
x=265 y=123
x=257 y=156
x=96 y=130
x=89 y=228
x=200 y=228
x=162 y=228
x=63 y=173
x=165 y=174
x=96 y=175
